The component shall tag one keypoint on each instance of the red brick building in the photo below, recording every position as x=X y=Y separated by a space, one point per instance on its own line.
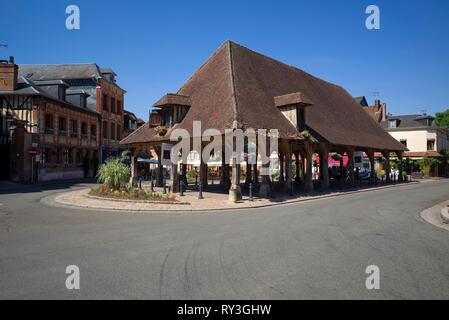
x=105 y=96
x=47 y=132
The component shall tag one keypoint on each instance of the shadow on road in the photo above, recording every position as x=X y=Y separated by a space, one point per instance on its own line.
x=8 y=187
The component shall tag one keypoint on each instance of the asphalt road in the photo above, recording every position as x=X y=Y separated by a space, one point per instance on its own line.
x=310 y=250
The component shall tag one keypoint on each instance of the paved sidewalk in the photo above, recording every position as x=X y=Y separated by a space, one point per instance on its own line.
x=433 y=215
x=190 y=202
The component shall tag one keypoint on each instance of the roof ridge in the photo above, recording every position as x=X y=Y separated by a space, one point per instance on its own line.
x=233 y=91
x=292 y=67
x=201 y=67
x=134 y=132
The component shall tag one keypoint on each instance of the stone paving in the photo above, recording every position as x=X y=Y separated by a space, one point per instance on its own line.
x=190 y=202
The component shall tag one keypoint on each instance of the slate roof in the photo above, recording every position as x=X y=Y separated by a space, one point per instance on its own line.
x=27 y=87
x=236 y=88
x=60 y=71
x=361 y=100
x=410 y=121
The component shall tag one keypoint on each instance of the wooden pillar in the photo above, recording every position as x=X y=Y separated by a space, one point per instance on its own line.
x=401 y=169
x=160 y=168
x=297 y=168
x=303 y=166
x=288 y=171
x=386 y=155
x=133 y=178
x=281 y=167
x=370 y=154
x=265 y=186
x=174 y=177
x=350 y=167
x=203 y=173
x=255 y=178
x=184 y=173
x=235 y=193
x=324 y=167
x=309 y=148
x=248 y=178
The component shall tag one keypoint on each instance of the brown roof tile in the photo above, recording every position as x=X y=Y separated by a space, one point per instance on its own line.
x=236 y=87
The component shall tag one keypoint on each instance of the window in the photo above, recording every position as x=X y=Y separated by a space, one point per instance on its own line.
x=84 y=128
x=62 y=125
x=105 y=103
x=112 y=105
x=93 y=130
x=112 y=131
x=45 y=156
x=300 y=119
x=119 y=107
x=431 y=145
x=392 y=124
x=49 y=123
x=105 y=130
x=119 y=128
x=73 y=128
x=404 y=142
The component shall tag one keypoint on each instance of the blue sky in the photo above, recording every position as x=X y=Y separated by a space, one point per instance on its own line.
x=154 y=46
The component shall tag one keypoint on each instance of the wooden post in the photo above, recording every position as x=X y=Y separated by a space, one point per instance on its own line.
x=350 y=167
x=248 y=175
x=370 y=154
x=324 y=167
x=288 y=171
x=298 y=168
x=281 y=167
x=174 y=177
x=309 y=148
x=265 y=186
x=160 y=168
x=133 y=178
x=386 y=155
x=401 y=169
x=235 y=193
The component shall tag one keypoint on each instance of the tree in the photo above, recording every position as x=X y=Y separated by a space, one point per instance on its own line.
x=442 y=119
x=427 y=163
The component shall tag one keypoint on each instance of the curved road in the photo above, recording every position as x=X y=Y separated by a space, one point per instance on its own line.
x=313 y=250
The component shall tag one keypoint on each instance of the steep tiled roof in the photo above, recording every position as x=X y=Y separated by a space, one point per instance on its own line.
x=236 y=87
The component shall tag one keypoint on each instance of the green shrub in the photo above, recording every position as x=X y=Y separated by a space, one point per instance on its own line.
x=114 y=174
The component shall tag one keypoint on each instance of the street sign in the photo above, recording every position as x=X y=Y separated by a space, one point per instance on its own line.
x=33 y=152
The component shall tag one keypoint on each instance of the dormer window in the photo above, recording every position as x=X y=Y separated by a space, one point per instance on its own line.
x=392 y=123
x=173 y=109
x=56 y=88
x=293 y=107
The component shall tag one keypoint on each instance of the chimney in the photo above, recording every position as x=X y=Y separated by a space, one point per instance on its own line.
x=8 y=75
x=384 y=112
x=377 y=103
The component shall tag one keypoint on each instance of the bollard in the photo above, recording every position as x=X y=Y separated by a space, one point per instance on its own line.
x=140 y=183
x=152 y=185
x=181 y=188
x=165 y=188
x=251 y=192
x=200 y=191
